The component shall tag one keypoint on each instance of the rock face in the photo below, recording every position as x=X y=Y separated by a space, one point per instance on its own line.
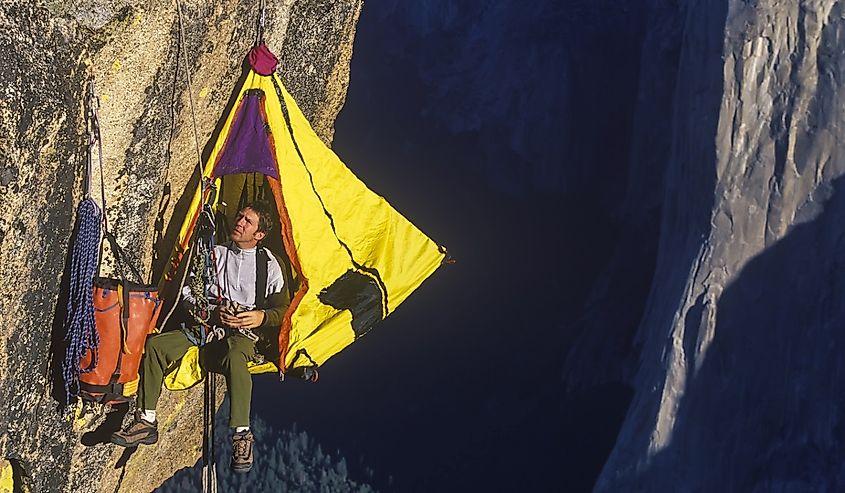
x=48 y=51
x=739 y=375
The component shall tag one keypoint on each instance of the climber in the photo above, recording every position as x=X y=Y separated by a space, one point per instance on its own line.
x=238 y=317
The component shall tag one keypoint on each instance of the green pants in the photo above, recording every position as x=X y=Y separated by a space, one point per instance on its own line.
x=227 y=357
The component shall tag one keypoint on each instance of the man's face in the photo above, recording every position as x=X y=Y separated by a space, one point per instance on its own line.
x=245 y=232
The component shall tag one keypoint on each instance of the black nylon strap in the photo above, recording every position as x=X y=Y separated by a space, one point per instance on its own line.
x=121 y=259
x=261 y=261
x=103 y=393
x=112 y=388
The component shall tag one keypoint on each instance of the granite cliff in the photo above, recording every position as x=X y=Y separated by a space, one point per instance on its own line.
x=736 y=368
x=48 y=51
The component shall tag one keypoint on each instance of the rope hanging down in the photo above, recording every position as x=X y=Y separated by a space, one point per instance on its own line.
x=259 y=24
x=189 y=84
x=204 y=269
x=81 y=333
x=201 y=249
x=203 y=184
x=209 y=462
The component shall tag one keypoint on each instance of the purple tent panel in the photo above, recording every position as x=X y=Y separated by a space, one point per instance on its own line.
x=247 y=146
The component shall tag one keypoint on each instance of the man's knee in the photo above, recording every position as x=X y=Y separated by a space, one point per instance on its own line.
x=237 y=352
x=234 y=356
x=158 y=343
x=153 y=346
x=152 y=343
x=166 y=346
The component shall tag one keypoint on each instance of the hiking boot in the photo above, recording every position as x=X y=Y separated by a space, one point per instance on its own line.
x=242 y=451
x=138 y=432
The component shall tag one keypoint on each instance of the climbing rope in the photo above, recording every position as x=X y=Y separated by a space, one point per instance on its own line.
x=204 y=186
x=204 y=275
x=80 y=332
x=259 y=25
x=209 y=454
x=188 y=86
x=202 y=263
x=203 y=249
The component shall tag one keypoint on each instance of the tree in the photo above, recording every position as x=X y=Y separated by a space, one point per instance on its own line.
x=286 y=460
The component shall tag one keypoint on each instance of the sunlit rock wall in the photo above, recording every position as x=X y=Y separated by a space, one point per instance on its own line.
x=740 y=378
x=48 y=51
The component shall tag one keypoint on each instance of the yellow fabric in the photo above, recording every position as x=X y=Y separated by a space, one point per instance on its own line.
x=378 y=238
x=130 y=388
x=7 y=478
x=188 y=373
x=262 y=368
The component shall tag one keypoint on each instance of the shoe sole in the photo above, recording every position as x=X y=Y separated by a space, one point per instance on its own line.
x=148 y=440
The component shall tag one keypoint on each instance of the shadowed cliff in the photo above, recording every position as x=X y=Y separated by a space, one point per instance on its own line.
x=736 y=367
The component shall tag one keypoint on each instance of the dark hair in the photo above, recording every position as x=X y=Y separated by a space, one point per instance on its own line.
x=264 y=212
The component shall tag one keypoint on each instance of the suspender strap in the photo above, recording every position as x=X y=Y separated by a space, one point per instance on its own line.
x=261 y=261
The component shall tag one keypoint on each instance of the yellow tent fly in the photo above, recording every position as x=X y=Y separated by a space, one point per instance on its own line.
x=353 y=257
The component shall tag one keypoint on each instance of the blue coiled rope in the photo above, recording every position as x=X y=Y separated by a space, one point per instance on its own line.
x=81 y=334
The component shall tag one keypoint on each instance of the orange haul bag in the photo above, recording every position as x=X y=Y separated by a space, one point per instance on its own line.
x=125 y=314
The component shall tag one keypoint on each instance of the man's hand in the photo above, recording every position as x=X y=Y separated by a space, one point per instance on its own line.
x=243 y=320
x=250 y=319
x=228 y=320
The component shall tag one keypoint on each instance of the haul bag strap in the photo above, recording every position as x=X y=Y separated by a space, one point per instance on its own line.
x=124 y=318
x=109 y=393
x=123 y=298
x=111 y=388
x=121 y=259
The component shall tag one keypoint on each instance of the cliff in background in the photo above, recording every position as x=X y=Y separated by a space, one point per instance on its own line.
x=738 y=380
x=48 y=50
